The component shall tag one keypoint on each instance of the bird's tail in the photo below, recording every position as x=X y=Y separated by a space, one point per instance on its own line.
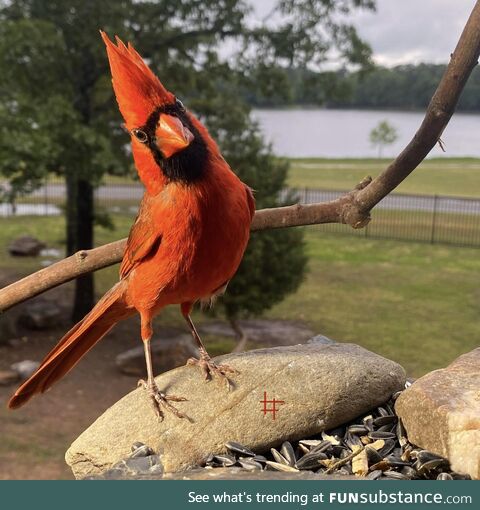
x=77 y=342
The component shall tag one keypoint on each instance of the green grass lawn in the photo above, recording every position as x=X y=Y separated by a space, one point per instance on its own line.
x=415 y=303
x=441 y=176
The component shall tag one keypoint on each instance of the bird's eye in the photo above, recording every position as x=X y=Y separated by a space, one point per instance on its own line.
x=140 y=135
x=180 y=104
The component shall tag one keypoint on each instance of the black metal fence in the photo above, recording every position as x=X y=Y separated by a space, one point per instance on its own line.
x=425 y=218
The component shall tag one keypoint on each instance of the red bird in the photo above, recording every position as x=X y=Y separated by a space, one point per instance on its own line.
x=187 y=240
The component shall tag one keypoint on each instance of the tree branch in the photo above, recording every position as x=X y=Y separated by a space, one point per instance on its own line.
x=352 y=209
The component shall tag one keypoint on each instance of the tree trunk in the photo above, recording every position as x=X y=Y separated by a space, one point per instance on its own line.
x=71 y=211
x=240 y=335
x=84 y=286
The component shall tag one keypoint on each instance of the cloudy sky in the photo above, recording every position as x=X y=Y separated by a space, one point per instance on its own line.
x=410 y=31
x=407 y=31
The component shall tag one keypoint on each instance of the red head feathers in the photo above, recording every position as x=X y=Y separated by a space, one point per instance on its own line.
x=137 y=89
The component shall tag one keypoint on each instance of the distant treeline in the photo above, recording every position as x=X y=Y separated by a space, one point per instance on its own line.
x=406 y=87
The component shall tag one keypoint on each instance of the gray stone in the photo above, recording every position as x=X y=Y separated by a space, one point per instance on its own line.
x=8 y=329
x=40 y=314
x=8 y=377
x=441 y=413
x=322 y=386
x=167 y=353
x=321 y=339
x=25 y=246
x=25 y=368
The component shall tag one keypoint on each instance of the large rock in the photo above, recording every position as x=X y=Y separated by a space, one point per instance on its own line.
x=167 y=353
x=8 y=377
x=441 y=413
x=40 y=314
x=25 y=368
x=25 y=246
x=322 y=386
x=8 y=329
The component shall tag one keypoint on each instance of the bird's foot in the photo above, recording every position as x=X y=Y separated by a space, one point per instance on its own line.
x=209 y=368
x=160 y=401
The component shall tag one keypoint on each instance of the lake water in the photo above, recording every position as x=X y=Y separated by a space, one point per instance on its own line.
x=345 y=133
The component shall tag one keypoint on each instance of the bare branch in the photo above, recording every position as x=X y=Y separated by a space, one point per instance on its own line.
x=352 y=209
x=442 y=105
x=86 y=261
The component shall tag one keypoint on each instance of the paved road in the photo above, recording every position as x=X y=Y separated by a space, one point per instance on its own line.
x=403 y=202
x=134 y=193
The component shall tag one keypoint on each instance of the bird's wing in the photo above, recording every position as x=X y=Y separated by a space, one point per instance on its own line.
x=143 y=241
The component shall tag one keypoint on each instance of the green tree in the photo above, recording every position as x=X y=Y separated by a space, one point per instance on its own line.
x=275 y=261
x=58 y=114
x=383 y=134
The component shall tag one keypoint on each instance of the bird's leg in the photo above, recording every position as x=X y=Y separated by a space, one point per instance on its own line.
x=158 y=399
x=205 y=362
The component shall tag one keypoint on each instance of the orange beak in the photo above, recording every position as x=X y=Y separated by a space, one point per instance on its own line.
x=171 y=135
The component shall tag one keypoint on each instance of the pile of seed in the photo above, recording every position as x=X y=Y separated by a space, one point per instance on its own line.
x=374 y=446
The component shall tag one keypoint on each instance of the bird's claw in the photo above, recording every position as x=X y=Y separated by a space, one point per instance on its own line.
x=160 y=400
x=209 y=368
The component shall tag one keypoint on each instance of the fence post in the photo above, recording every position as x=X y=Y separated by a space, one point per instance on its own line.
x=434 y=219
x=45 y=194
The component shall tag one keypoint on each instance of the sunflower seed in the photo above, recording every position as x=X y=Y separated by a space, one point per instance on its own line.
x=141 y=451
x=311 y=442
x=279 y=457
x=239 y=448
x=136 y=445
x=288 y=452
x=409 y=472
x=352 y=440
x=396 y=461
x=426 y=456
x=444 y=476
x=368 y=422
x=384 y=420
x=358 y=429
x=322 y=446
x=281 y=467
x=250 y=465
x=382 y=411
x=374 y=475
x=394 y=475
x=372 y=455
x=401 y=433
x=387 y=447
x=225 y=460
x=303 y=448
x=381 y=435
x=311 y=460
x=429 y=465
x=382 y=465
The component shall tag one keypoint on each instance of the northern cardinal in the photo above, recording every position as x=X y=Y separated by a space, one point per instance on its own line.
x=187 y=240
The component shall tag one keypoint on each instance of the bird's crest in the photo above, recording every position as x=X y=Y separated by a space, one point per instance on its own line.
x=137 y=89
